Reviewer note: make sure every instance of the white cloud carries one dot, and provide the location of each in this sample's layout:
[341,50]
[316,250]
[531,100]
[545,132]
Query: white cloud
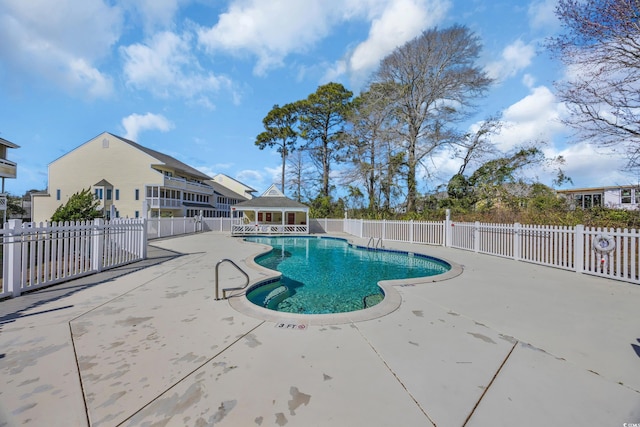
[136,123]
[207,170]
[165,66]
[272,30]
[399,22]
[252,178]
[542,15]
[393,23]
[269,30]
[590,166]
[223,165]
[60,42]
[514,58]
[155,14]
[274,174]
[535,117]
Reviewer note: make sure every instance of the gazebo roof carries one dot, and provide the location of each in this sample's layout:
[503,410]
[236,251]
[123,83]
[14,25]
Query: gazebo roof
[271,199]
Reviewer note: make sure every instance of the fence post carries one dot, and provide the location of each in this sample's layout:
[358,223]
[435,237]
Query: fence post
[144,238]
[12,257]
[97,244]
[361,227]
[446,233]
[516,241]
[384,229]
[476,237]
[578,255]
[411,231]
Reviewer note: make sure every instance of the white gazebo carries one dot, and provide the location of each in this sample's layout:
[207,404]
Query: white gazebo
[271,213]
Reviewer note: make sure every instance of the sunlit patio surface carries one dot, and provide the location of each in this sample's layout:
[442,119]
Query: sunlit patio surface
[504,343]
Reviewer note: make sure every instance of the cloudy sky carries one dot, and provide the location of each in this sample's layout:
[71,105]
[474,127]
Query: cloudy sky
[195,78]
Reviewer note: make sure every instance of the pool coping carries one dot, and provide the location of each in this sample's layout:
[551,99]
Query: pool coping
[391,302]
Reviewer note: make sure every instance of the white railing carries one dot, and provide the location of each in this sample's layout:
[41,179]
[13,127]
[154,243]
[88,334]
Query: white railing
[163,202]
[427,232]
[326,225]
[8,169]
[183,184]
[569,248]
[217,224]
[167,227]
[38,255]
[244,229]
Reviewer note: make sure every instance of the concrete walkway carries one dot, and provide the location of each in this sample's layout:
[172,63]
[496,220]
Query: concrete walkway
[505,343]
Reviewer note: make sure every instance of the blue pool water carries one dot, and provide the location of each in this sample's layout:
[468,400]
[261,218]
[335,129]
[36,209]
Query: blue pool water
[324,275]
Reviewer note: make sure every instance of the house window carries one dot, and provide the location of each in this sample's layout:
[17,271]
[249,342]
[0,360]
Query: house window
[137,214]
[578,199]
[137,194]
[58,194]
[117,194]
[99,193]
[625,196]
[259,216]
[109,193]
[597,200]
[587,201]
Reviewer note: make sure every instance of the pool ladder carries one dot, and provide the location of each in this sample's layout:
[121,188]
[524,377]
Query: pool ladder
[373,243]
[224,291]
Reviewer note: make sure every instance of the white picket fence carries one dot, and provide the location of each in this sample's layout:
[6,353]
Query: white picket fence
[569,248]
[167,227]
[38,255]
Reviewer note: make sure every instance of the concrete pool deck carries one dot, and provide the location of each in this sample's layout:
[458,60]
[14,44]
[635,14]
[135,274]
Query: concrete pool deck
[504,343]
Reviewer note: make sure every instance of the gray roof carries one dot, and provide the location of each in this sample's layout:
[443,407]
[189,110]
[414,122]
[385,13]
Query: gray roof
[198,205]
[224,191]
[103,183]
[271,202]
[166,159]
[8,143]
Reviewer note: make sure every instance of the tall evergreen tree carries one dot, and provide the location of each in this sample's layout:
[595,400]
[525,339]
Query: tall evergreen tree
[322,120]
[280,132]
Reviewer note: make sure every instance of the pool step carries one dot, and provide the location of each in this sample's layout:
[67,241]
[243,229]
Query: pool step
[276,293]
[371,300]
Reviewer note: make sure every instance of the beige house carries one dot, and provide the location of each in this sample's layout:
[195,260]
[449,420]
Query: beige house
[132,181]
[234,185]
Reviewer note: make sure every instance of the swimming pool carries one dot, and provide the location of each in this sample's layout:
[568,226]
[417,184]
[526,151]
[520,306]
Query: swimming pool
[329,275]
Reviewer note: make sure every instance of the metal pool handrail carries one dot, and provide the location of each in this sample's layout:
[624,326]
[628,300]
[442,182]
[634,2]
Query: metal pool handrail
[375,242]
[224,291]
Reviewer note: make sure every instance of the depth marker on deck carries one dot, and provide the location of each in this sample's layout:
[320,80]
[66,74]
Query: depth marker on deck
[292,326]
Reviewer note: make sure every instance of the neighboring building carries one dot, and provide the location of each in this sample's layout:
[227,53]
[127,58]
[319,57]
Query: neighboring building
[616,197]
[131,181]
[234,185]
[23,202]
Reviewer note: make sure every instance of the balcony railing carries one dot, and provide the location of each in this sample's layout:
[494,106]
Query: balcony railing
[8,169]
[183,184]
[161,202]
